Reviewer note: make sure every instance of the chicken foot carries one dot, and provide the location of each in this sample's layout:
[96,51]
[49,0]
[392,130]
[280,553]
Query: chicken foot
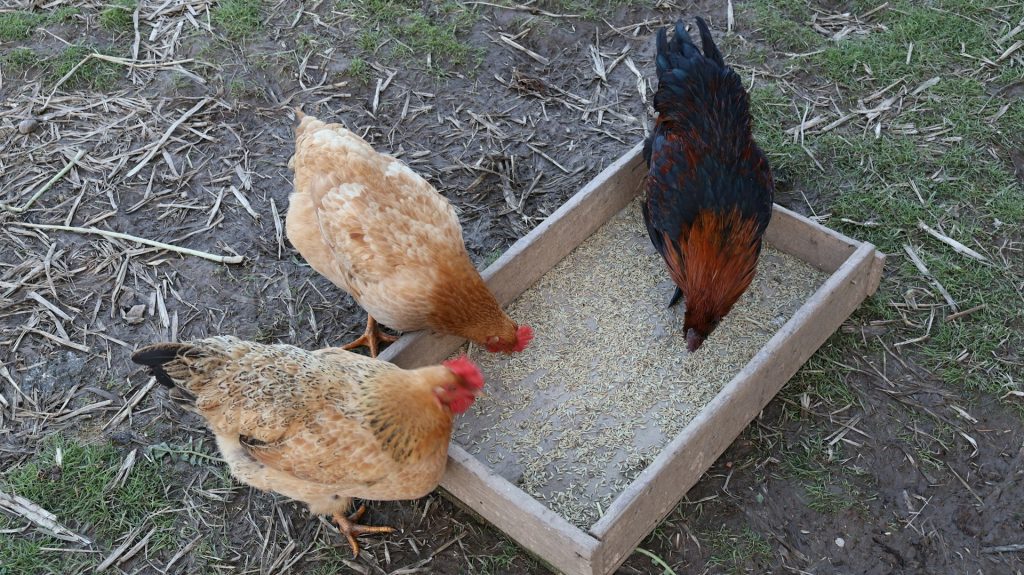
[371,338]
[350,529]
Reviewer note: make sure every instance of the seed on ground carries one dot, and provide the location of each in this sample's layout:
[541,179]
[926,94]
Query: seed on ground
[607,382]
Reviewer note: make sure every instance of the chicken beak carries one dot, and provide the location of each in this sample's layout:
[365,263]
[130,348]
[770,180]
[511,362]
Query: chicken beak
[479,394]
[693,340]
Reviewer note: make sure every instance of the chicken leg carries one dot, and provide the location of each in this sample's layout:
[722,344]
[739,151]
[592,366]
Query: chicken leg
[350,529]
[371,338]
[676,296]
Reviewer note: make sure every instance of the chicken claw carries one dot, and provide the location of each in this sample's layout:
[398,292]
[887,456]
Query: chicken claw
[371,338]
[350,529]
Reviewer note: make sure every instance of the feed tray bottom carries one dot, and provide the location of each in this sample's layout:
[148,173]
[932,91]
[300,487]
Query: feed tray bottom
[607,382]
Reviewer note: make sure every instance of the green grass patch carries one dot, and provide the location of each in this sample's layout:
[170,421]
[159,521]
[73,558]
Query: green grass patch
[368,40]
[20,555]
[63,15]
[501,560]
[492,257]
[737,551]
[936,30]
[97,75]
[410,33]
[877,188]
[819,380]
[238,19]
[80,492]
[784,25]
[358,70]
[118,16]
[812,463]
[932,441]
[831,495]
[19,25]
[306,42]
[18,60]
[772,112]
[242,89]
[979,190]
[238,88]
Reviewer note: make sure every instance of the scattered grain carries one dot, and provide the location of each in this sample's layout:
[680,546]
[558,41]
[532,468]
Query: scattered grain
[608,382]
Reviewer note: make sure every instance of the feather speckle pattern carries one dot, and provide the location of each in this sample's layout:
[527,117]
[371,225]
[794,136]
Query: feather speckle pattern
[382,233]
[320,427]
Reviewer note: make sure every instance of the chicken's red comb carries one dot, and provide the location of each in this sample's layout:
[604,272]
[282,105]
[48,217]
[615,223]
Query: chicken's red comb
[466,370]
[524,335]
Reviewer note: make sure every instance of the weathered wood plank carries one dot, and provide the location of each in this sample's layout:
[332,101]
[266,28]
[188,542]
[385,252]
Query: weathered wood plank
[808,240]
[420,348]
[524,519]
[659,488]
[527,260]
[875,276]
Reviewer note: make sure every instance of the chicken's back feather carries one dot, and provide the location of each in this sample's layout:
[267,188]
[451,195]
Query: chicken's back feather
[370,224]
[319,426]
[701,153]
[382,233]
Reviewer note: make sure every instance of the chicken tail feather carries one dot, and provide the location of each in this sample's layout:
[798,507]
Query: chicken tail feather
[157,358]
[710,49]
[684,73]
[681,52]
[675,55]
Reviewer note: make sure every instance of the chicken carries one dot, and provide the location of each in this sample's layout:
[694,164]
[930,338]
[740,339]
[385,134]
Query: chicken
[709,187]
[383,234]
[320,427]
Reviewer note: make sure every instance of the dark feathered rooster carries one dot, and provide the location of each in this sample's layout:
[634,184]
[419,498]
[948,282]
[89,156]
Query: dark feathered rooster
[709,187]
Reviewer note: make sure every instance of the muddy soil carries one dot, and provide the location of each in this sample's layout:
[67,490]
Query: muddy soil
[507,140]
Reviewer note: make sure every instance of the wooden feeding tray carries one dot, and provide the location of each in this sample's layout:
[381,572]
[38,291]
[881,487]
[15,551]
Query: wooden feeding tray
[590,437]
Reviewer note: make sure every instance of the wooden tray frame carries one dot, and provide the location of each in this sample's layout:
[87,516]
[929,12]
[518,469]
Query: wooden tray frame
[855,269]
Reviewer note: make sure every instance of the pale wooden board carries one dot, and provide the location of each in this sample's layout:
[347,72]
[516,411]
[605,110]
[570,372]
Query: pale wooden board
[810,241]
[420,348]
[657,490]
[521,517]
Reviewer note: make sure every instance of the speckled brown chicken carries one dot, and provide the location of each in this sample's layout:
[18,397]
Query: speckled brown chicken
[320,427]
[383,234]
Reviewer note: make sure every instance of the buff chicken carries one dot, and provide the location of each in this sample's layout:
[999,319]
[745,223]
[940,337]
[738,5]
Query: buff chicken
[709,187]
[383,234]
[321,427]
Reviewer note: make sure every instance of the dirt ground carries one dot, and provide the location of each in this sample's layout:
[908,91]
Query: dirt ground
[187,133]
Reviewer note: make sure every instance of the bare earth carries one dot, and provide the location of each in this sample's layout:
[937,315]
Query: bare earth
[189,146]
